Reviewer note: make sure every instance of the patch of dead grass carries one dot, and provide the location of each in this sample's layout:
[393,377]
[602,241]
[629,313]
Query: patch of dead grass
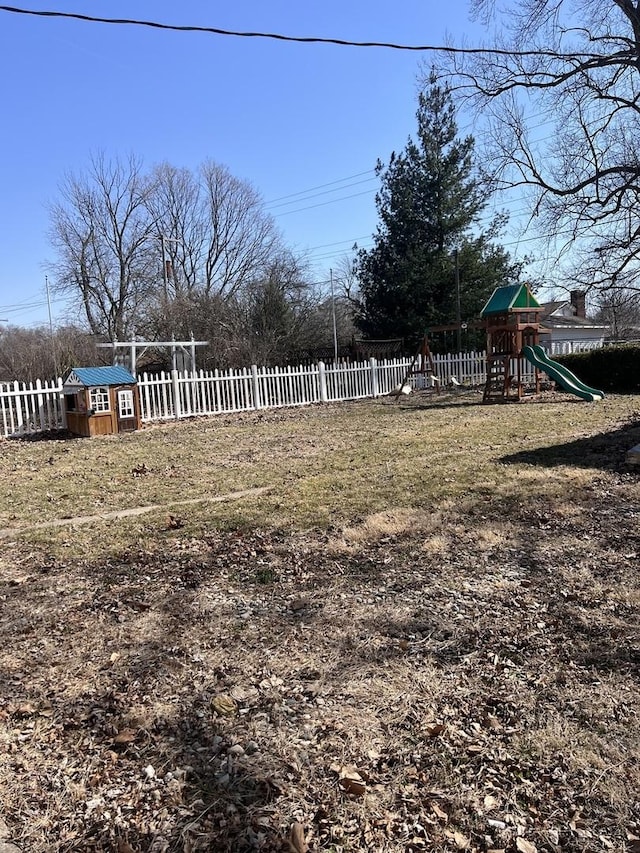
[459,631]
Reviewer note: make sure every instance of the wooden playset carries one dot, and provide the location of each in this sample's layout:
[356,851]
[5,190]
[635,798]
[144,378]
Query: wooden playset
[512,322]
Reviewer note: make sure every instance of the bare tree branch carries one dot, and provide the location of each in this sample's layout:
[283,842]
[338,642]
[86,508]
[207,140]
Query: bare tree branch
[578,66]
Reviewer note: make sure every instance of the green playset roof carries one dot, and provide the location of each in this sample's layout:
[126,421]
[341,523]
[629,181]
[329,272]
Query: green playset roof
[509,297]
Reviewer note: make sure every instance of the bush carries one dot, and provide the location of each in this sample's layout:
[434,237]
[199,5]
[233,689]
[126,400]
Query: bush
[615,369]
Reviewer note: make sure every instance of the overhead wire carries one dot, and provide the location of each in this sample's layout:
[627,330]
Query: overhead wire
[323,203]
[324,192]
[190,28]
[283,201]
[320,186]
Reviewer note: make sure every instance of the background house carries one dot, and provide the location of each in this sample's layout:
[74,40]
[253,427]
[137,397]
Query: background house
[569,325]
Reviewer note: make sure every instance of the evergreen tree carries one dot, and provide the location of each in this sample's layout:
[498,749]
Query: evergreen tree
[429,203]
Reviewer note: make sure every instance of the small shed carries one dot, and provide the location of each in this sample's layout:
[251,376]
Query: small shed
[101,400]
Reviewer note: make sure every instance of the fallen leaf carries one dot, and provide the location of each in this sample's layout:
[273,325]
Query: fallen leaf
[224,705]
[434,729]
[490,802]
[115,656]
[352,782]
[125,736]
[525,846]
[439,812]
[174,523]
[297,841]
[461,841]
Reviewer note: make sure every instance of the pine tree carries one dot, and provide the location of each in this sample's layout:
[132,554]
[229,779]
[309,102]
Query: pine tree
[429,203]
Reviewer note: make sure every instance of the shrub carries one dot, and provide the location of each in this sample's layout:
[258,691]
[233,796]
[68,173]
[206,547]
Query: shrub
[615,369]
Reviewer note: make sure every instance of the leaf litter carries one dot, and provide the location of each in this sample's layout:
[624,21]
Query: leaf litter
[269,689]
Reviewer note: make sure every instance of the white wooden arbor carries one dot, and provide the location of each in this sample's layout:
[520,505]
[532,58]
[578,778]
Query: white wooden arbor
[138,349]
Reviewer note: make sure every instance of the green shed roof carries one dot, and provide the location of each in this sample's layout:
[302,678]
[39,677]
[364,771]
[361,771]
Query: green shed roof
[504,299]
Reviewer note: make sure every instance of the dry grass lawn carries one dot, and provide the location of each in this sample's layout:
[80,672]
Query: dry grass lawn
[422,635]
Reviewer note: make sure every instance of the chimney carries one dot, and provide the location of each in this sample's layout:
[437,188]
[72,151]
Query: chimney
[578,302]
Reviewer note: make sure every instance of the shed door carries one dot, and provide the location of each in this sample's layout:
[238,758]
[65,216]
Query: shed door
[126,410]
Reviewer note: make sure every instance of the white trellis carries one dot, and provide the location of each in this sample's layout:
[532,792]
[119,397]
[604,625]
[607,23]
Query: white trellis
[138,348]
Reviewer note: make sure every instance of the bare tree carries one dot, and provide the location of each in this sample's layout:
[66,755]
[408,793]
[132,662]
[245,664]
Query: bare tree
[100,230]
[215,231]
[575,67]
[176,204]
[345,275]
[30,354]
[241,237]
[620,310]
[138,250]
[275,318]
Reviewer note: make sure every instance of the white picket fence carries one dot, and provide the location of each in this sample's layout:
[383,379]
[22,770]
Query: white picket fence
[31,407]
[38,406]
[184,395]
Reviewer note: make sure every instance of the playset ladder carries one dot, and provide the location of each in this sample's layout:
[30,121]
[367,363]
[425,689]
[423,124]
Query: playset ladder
[498,378]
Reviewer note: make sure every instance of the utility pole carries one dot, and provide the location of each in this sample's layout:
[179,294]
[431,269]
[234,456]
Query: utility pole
[164,267]
[53,345]
[333,314]
[458,313]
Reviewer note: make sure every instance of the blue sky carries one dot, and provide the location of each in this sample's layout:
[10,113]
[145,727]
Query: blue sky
[286,117]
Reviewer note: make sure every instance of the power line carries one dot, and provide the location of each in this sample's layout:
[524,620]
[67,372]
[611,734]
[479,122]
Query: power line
[339,243]
[324,192]
[320,186]
[322,203]
[25,307]
[494,51]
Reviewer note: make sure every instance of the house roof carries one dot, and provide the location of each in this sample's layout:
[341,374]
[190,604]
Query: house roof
[549,308]
[508,297]
[91,376]
[551,318]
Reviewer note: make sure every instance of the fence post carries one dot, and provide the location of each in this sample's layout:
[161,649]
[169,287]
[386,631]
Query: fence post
[373,364]
[41,416]
[175,385]
[256,387]
[18,405]
[322,375]
[61,407]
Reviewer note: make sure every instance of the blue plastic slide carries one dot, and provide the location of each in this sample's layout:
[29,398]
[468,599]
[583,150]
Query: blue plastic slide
[560,374]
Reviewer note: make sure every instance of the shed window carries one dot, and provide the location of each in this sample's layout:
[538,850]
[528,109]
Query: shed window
[99,398]
[125,404]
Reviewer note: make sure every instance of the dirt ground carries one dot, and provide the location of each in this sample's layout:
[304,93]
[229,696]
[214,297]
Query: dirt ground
[438,674]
